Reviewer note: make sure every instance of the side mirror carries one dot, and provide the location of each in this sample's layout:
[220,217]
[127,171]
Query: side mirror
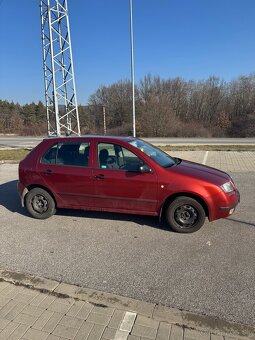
[144,169]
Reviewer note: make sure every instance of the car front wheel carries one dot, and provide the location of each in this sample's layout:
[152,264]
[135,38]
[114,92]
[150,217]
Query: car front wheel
[185,215]
[40,203]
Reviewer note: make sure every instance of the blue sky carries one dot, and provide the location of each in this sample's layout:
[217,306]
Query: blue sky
[192,39]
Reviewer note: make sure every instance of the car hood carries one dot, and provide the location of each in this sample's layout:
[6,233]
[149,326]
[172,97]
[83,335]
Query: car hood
[202,172]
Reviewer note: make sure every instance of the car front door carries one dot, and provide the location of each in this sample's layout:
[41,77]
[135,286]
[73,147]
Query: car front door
[66,171]
[119,184]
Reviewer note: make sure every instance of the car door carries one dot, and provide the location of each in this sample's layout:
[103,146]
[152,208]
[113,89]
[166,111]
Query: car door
[66,171]
[119,185]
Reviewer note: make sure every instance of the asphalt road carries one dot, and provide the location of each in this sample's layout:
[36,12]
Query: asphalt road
[13,142]
[211,271]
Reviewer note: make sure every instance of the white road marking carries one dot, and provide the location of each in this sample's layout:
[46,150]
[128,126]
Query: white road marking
[125,326]
[205,157]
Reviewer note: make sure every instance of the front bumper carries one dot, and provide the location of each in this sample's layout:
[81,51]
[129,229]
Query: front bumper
[224,205]
[233,206]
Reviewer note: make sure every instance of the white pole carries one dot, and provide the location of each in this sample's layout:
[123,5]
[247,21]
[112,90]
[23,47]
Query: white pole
[104,120]
[132,64]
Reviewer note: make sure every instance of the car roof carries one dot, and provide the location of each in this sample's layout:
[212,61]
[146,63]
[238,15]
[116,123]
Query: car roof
[94,137]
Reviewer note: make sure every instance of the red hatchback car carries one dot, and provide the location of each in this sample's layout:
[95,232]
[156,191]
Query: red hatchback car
[123,174]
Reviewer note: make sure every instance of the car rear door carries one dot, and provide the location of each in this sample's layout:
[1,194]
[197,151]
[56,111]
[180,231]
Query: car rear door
[66,171]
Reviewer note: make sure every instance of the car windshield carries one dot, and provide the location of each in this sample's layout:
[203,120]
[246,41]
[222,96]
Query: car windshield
[154,153]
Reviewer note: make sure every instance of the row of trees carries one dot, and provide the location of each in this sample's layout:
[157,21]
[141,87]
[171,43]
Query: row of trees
[164,107]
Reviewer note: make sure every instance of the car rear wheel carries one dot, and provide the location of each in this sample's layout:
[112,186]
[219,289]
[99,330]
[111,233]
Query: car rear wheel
[185,215]
[40,203]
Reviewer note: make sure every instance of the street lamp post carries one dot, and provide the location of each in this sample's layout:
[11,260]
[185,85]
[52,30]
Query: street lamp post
[132,64]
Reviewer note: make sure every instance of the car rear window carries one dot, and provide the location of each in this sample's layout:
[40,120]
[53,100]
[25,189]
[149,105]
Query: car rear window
[68,153]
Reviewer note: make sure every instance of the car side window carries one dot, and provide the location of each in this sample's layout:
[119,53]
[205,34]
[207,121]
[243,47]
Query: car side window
[50,156]
[116,157]
[68,153]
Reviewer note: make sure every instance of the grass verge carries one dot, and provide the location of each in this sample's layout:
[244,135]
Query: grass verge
[13,154]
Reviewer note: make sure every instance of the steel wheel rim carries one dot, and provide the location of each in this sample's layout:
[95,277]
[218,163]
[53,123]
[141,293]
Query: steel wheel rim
[186,216]
[39,203]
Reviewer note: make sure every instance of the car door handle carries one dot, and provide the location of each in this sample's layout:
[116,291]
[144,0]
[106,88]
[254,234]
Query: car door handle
[47,172]
[100,176]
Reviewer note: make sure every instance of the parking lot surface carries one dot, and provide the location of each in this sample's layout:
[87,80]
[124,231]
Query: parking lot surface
[210,272]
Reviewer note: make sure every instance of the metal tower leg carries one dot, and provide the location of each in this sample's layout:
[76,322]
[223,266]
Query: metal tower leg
[60,91]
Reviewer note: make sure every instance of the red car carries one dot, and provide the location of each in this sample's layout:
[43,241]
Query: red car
[126,175]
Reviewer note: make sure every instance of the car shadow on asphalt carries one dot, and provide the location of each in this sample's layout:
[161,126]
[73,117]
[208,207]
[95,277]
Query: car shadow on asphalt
[9,199]
[243,222]
[150,221]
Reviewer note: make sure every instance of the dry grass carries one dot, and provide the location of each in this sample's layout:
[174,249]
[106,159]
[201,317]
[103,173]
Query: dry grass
[13,154]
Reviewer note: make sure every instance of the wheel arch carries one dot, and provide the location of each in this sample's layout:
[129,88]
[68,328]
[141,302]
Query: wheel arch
[172,197]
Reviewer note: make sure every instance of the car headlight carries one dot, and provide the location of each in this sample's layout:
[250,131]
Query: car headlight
[227,187]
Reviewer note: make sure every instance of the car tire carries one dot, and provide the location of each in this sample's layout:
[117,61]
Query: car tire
[185,215]
[39,203]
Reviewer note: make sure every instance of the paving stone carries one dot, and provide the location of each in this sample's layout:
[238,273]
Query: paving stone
[38,299]
[52,322]
[47,301]
[128,321]
[143,331]
[25,319]
[217,337]
[53,337]
[103,310]
[7,290]
[191,334]
[43,319]
[121,335]
[19,332]
[4,323]
[109,333]
[176,333]
[15,311]
[21,297]
[3,285]
[99,319]
[71,322]
[145,321]
[7,308]
[65,331]
[76,307]
[116,319]
[163,331]
[35,334]
[3,301]
[96,332]
[59,307]
[33,310]
[133,337]
[84,311]
[8,330]
[84,331]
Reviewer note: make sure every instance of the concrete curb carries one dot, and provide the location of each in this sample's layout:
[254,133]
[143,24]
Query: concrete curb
[157,312]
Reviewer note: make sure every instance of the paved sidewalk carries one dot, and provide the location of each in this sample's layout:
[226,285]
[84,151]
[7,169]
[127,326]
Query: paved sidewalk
[33,308]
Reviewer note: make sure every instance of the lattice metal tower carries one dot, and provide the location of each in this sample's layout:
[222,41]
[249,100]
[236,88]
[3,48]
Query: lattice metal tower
[60,92]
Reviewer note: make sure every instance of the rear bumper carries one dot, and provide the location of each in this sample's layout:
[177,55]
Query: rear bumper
[22,191]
